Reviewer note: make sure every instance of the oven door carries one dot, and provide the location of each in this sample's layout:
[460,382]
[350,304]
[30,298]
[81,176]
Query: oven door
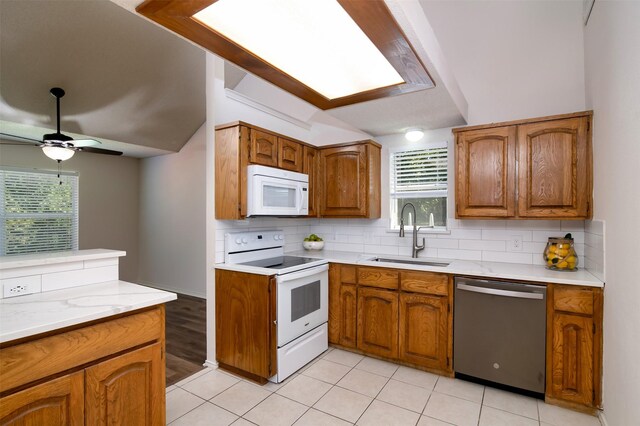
[302,302]
[272,196]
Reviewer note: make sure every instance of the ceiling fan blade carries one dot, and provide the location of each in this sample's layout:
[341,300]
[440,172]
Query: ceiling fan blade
[17,138]
[81,143]
[99,151]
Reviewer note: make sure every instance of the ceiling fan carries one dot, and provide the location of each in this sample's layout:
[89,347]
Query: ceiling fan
[59,146]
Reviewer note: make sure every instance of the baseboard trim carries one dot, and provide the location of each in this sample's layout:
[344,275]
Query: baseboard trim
[602,418]
[212,364]
[172,289]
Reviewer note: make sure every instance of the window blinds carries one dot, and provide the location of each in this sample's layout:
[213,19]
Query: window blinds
[38,211]
[420,173]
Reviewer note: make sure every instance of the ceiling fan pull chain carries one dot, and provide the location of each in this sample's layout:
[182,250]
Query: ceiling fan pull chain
[59,161]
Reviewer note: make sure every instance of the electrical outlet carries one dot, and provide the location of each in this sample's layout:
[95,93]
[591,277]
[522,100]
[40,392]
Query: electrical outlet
[516,243]
[22,285]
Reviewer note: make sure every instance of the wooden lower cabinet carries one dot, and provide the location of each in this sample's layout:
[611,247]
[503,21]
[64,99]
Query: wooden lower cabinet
[348,315]
[424,330]
[126,390]
[110,372]
[378,322]
[246,340]
[55,402]
[574,346]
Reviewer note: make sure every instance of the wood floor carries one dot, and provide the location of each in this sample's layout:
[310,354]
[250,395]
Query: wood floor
[186,339]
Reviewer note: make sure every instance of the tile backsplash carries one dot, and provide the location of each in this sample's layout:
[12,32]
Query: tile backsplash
[594,247]
[480,240]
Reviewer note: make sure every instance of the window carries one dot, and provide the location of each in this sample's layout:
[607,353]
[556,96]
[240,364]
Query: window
[38,211]
[419,176]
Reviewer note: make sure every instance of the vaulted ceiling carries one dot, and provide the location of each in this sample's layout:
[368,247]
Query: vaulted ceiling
[126,79]
[141,89]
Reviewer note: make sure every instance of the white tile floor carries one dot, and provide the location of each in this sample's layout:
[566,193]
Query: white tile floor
[342,388]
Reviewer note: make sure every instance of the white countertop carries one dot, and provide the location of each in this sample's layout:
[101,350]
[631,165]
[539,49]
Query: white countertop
[37,259]
[25,316]
[513,271]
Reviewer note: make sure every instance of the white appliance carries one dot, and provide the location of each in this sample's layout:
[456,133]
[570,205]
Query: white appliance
[276,192]
[302,295]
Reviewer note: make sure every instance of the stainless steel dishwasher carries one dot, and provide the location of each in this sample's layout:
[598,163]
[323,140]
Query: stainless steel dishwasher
[499,333]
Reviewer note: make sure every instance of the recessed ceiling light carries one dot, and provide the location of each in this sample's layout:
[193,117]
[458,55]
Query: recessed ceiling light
[317,43]
[414,135]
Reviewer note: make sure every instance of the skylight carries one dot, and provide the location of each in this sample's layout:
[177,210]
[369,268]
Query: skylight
[314,41]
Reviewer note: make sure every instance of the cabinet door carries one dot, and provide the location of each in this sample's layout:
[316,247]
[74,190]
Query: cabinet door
[56,402]
[245,323]
[289,155]
[128,389]
[572,363]
[485,172]
[378,322]
[424,330]
[554,170]
[264,148]
[344,181]
[310,167]
[348,315]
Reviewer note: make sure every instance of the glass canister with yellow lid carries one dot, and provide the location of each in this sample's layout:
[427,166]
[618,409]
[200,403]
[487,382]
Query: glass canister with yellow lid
[560,254]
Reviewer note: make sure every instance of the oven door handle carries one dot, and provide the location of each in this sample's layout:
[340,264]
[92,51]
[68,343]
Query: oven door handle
[302,274]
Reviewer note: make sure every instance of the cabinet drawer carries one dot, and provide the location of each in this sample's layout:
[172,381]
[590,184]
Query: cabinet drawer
[576,300]
[348,274]
[425,282]
[34,360]
[378,277]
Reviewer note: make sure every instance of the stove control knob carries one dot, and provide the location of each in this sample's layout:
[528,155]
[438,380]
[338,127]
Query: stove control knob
[238,240]
[281,237]
[275,237]
[245,241]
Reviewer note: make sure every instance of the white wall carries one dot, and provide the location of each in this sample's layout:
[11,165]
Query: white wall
[512,59]
[108,196]
[612,64]
[172,219]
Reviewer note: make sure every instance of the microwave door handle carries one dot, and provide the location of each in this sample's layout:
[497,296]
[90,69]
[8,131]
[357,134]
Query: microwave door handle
[300,198]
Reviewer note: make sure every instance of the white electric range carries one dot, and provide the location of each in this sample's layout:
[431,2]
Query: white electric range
[302,295]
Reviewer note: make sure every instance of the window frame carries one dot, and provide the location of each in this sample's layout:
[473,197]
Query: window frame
[394,227]
[74,215]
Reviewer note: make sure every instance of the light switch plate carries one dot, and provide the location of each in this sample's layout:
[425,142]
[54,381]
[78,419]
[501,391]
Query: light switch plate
[12,287]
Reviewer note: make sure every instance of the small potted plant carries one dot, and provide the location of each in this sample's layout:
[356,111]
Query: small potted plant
[313,242]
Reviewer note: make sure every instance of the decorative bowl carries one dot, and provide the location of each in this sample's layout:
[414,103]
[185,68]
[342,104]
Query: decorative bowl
[313,245]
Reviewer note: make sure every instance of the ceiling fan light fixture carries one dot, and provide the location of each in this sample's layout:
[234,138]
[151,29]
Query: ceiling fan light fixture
[414,135]
[58,153]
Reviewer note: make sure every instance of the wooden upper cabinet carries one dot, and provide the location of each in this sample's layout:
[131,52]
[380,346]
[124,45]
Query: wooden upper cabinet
[290,155]
[350,180]
[535,168]
[485,175]
[378,322]
[127,390]
[554,178]
[57,402]
[263,148]
[310,166]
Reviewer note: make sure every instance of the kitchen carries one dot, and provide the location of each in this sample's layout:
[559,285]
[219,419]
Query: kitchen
[491,98]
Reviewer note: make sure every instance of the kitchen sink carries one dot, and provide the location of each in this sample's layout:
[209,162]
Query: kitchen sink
[409,261]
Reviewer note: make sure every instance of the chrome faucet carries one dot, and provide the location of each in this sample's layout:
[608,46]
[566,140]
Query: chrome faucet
[415,247]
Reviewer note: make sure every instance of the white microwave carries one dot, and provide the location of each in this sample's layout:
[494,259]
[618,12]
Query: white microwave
[276,192]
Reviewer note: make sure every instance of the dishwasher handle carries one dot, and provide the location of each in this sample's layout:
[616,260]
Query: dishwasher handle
[498,292]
